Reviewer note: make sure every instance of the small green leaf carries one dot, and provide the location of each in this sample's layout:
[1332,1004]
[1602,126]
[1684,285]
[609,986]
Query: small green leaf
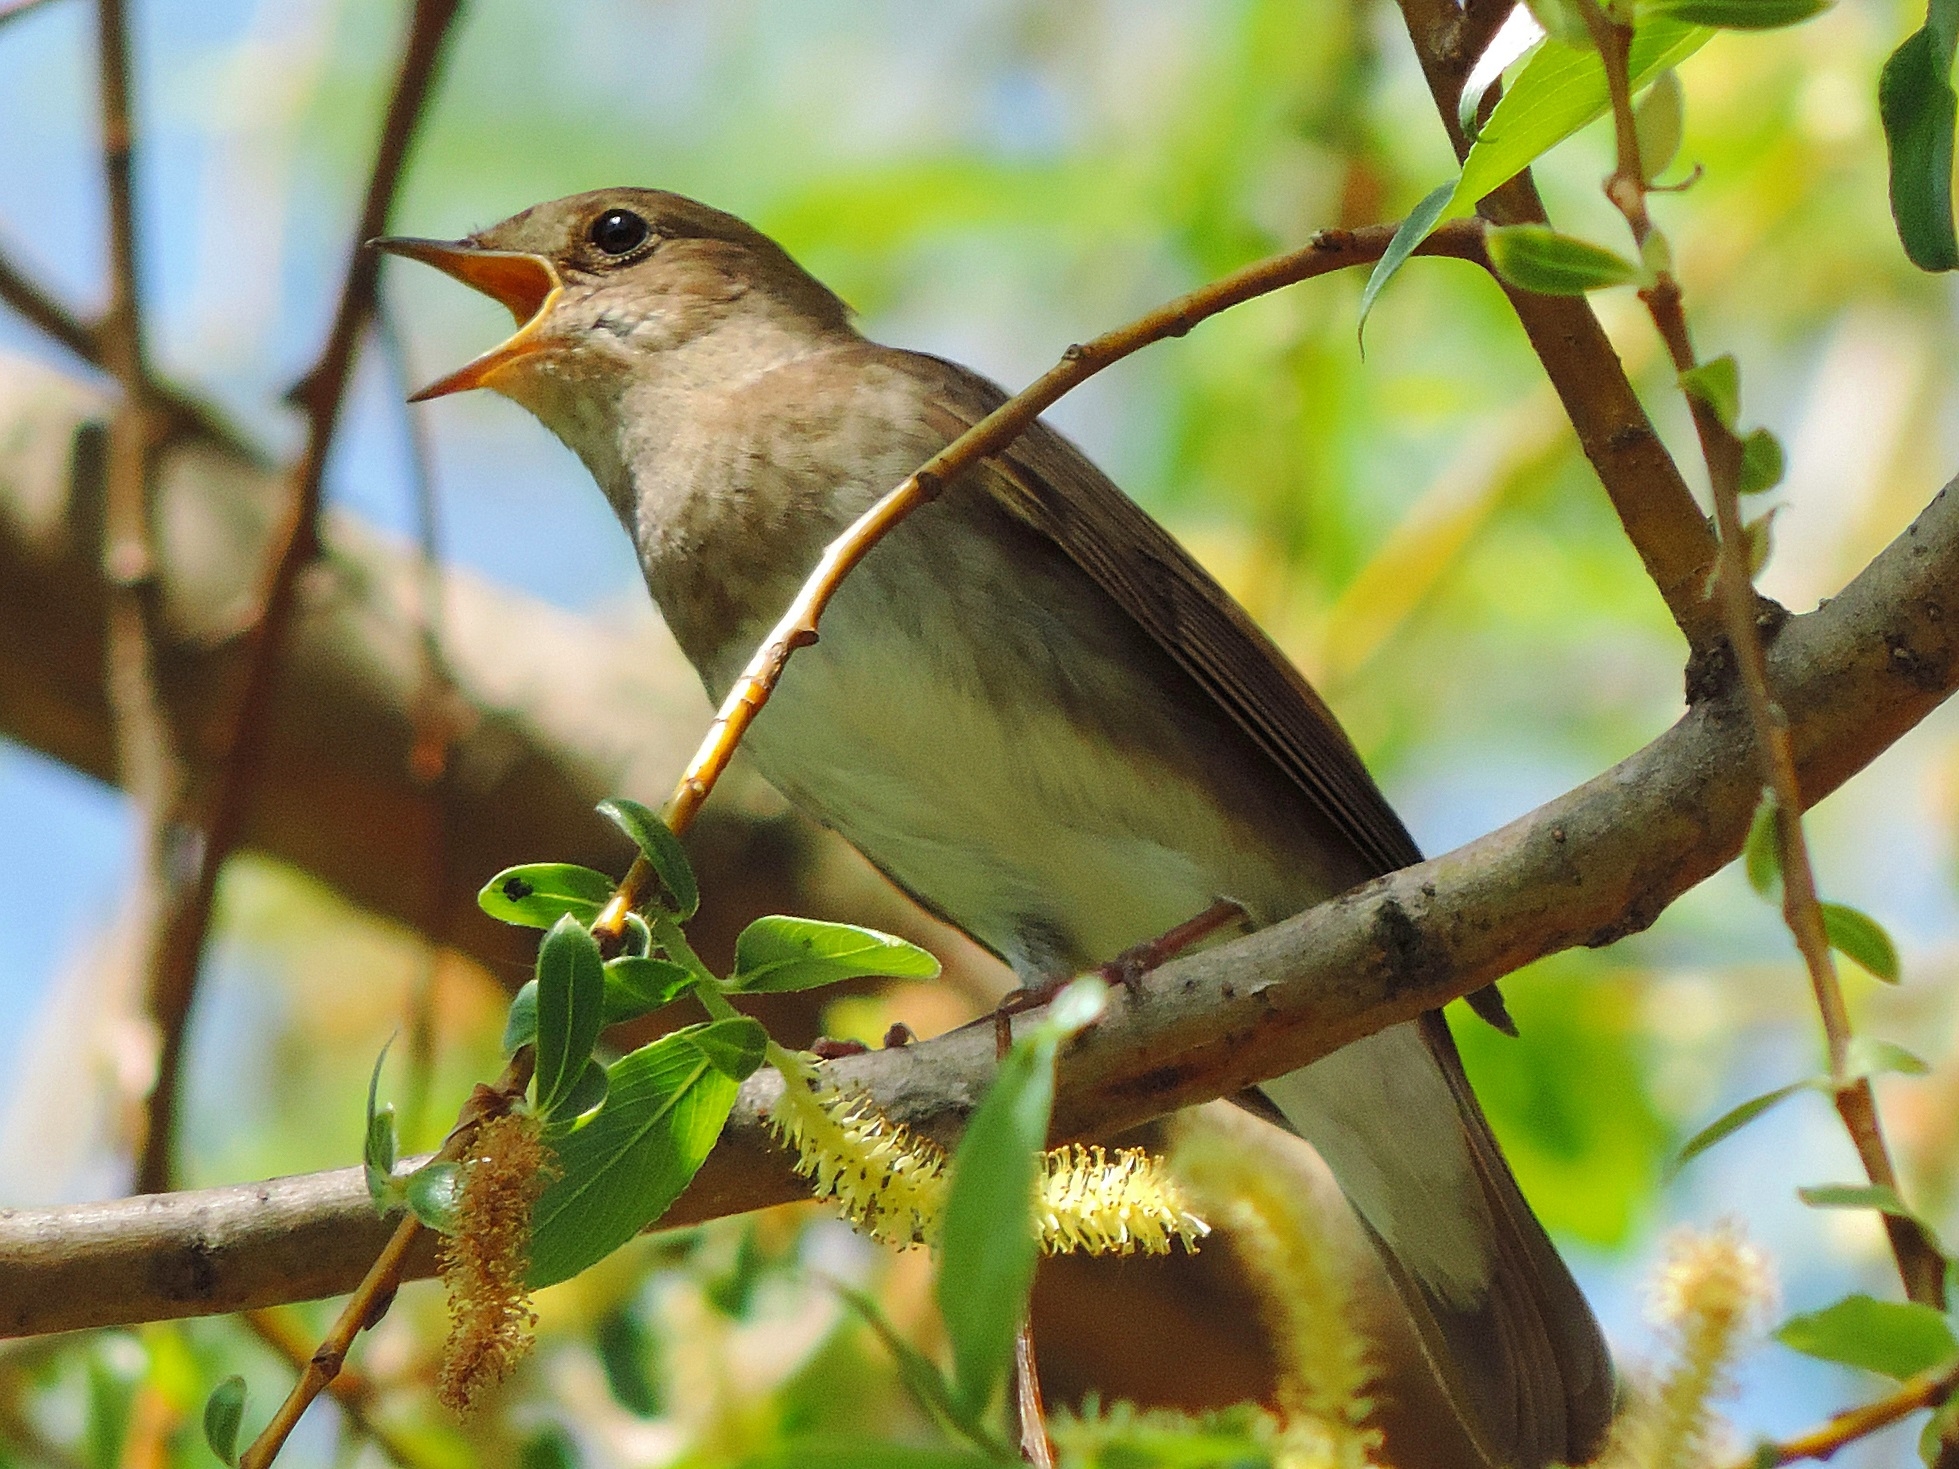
[1561,19]
[1658,122]
[1862,939]
[550,1447]
[434,1193]
[224,1412]
[777,953]
[1896,1338]
[921,1376]
[1762,463]
[1535,257]
[520,1025]
[988,1244]
[378,1152]
[1916,102]
[1740,15]
[1931,1438]
[1717,383]
[734,1046]
[1731,1122]
[1759,541]
[1761,854]
[636,986]
[538,894]
[663,852]
[629,1351]
[570,1010]
[1868,1056]
[586,1093]
[1408,234]
[628,1161]
[1876,1196]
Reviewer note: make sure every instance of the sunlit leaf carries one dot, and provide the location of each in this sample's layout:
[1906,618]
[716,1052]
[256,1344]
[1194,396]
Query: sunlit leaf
[1739,15]
[663,853]
[628,1161]
[1916,102]
[1897,1338]
[570,1010]
[1762,463]
[378,1151]
[538,894]
[734,1046]
[636,986]
[1535,257]
[1659,121]
[1731,1122]
[1862,939]
[1761,854]
[1408,234]
[434,1193]
[1866,1055]
[1717,383]
[224,1411]
[779,953]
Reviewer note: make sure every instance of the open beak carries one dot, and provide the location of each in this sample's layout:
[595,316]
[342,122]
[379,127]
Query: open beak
[527,284]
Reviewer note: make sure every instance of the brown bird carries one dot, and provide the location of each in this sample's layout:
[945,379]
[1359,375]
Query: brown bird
[1031,708]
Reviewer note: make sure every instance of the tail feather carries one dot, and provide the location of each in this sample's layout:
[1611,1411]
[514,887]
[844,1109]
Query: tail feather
[1499,1317]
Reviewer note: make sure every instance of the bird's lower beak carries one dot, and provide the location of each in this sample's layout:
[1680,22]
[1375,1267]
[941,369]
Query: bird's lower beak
[526,284]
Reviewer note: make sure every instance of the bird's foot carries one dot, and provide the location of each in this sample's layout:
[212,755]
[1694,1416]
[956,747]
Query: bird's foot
[1128,968]
[825,1048]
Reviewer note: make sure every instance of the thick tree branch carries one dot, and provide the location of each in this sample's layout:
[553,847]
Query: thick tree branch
[1596,864]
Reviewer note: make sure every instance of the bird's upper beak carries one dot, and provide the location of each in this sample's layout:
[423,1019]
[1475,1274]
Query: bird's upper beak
[527,284]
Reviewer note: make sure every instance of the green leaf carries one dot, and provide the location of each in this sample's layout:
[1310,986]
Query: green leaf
[570,1010]
[1535,257]
[1659,120]
[618,1172]
[734,1046]
[629,1351]
[224,1411]
[663,852]
[921,1376]
[1761,854]
[1739,15]
[538,894]
[636,986]
[1559,91]
[777,953]
[1855,1196]
[1931,1438]
[1897,1338]
[520,1025]
[1408,234]
[550,1447]
[378,1151]
[1717,383]
[1762,463]
[1868,1056]
[434,1194]
[585,1094]
[1916,102]
[732,1292]
[988,1243]
[1862,939]
[1758,540]
[1729,1123]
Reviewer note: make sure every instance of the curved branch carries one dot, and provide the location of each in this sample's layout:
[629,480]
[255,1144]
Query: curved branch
[1586,869]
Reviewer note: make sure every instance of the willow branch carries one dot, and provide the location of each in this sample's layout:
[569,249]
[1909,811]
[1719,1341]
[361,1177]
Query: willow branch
[350,1394]
[1327,251]
[1594,865]
[1927,1390]
[174,978]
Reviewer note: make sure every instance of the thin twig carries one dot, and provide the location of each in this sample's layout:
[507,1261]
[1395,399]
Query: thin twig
[15,9]
[322,392]
[1927,1390]
[48,315]
[1920,1265]
[350,1393]
[1327,251]
[376,1292]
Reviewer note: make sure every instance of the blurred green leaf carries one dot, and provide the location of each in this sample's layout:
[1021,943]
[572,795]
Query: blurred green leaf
[1897,1338]
[629,1160]
[378,1152]
[1717,383]
[1408,234]
[988,1244]
[858,1453]
[1761,854]
[1758,539]
[1535,257]
[1916,102]
[1876,1196]
[224,1412]
[570,1011]
[1739,15]
[433,1192]
[1931,1438]
[112,1379]
[663,852]
[1762,463]
[1866,1055]
[1659,120]
[922,1378]
[732,1291]
[777,953]
[1862,939]
[550,1447]
[630,1351]
[1559,91]
[538,894]
[1729,1123]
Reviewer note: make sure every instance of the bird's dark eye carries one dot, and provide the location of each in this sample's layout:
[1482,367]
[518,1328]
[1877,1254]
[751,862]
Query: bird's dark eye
[619,231]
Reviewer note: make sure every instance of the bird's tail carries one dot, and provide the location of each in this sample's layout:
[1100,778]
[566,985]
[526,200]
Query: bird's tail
[1498,1315]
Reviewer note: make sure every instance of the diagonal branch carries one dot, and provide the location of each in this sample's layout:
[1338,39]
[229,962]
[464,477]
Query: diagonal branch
[1586,869]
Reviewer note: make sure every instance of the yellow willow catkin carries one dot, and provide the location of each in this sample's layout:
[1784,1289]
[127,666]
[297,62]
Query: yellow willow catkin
[1236,1167]
[1711,1292]
[892,1183]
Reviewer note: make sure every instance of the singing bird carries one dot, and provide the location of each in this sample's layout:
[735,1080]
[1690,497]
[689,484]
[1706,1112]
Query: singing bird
[1030,707]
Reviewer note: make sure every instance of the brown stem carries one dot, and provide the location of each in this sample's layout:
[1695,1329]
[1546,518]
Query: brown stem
[1327,251]
[1030,1412]
[350,1393]
[1928,1390]
[174,976]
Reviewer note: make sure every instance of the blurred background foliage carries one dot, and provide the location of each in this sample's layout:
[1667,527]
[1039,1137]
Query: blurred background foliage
[991,180]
